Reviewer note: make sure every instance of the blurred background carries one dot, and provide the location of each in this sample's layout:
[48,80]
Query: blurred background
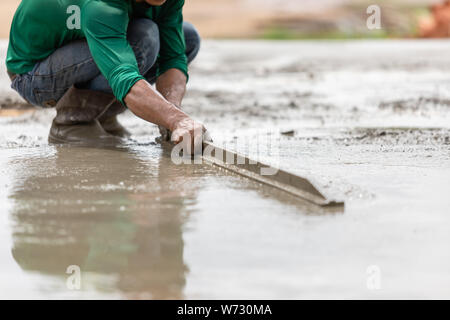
[366,121]
[302,19]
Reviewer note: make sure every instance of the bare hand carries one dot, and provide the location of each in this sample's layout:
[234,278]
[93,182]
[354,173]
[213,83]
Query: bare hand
[187,128]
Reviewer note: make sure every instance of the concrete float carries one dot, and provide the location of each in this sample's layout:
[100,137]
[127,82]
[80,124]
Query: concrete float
[269,175]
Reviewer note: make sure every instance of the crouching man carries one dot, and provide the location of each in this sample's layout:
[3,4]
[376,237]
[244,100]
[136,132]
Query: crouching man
[92,59]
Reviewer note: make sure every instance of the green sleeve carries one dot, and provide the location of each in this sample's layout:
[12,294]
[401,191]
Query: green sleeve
[106,34]
[173,47]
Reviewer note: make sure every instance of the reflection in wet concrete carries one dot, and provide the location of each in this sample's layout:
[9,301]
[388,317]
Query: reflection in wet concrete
[120,215]
[69,209]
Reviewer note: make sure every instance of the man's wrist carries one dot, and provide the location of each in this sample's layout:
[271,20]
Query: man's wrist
[172,86]
[176,117]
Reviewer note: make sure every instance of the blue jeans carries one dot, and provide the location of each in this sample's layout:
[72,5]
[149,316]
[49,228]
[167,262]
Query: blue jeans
[73,64]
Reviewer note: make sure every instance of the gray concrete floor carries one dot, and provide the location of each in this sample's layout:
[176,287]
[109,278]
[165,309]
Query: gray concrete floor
[371,126]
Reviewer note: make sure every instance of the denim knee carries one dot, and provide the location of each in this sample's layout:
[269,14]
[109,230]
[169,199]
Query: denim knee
[143,36]
[192,39]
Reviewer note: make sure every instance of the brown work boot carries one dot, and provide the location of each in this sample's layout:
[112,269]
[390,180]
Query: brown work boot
[90,133]
[109,121]
[76,119]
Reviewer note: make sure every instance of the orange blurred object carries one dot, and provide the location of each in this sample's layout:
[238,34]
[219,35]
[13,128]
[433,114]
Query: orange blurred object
[438,24]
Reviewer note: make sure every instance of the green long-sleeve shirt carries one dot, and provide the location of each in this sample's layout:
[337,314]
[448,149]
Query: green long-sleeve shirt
[41,26]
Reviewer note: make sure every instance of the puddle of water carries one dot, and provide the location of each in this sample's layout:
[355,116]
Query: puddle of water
[121,221]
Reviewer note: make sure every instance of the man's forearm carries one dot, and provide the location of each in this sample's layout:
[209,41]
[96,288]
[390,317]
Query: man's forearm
[172,85]
[150,105]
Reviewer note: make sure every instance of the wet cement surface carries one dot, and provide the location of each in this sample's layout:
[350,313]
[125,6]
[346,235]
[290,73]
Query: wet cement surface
[369,123]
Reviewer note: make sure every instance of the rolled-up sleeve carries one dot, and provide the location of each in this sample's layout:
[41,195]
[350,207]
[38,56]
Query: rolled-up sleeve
[105,27]
[173,47]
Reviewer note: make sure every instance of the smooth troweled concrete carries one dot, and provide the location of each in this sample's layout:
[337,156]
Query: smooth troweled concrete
[368,122]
